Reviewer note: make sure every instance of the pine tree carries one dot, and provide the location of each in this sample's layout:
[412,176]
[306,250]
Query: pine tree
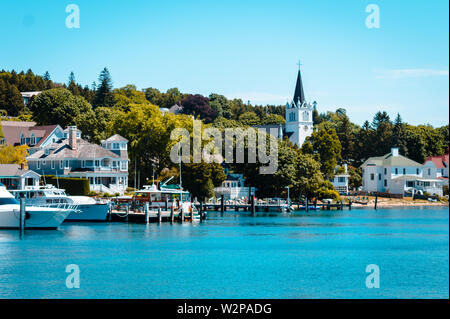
[103,94]
[398,135]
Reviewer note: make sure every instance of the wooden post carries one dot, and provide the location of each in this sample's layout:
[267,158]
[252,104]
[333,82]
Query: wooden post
[315,202]
[166,204]
[222,204]
[349,204]
[146,209]
[128,211]
[307,204]
[376,200]
[329,206]
[22,216]
[192,214]
[159,215]
[253,205]
[342,204]
[172,215]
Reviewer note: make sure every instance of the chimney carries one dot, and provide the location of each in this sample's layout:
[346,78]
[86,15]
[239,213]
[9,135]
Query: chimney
[73,137]
[346,168]
[22,166]
[394,151]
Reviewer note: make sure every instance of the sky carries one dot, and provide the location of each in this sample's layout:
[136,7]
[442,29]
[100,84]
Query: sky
[246,49]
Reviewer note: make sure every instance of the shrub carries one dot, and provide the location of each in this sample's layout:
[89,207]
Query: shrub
[73,186]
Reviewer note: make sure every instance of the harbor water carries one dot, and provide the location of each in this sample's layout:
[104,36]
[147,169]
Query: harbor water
[321,254]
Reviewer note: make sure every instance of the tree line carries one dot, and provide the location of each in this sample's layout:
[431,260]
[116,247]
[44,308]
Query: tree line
[102,110]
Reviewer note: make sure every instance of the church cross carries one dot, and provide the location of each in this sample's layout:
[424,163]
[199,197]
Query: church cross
[299,64]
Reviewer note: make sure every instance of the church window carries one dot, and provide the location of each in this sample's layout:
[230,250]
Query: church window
[305,116]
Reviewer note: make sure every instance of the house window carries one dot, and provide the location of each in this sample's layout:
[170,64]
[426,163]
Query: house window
[404,171]
[396,171]
[341,179]
[385,171]
[379,177]
[442,171]
[97,163]
[305,116]
[409,184]
[91,180]
[66,164]
[123,165]
[123,146]
[61,164]
[115,146]
[429,172]
[32,139]
[385,182]
[22,139]
[372,177]
[44,163]
[417,171]
[38,164]
[53,164]
[83,164]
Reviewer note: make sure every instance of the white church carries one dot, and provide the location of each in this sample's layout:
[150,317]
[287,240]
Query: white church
[299,118]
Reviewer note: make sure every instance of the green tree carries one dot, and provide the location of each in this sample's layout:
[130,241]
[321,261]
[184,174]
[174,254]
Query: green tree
[58,106]
[249,119]
[309,178]
[327,149]
[103,95]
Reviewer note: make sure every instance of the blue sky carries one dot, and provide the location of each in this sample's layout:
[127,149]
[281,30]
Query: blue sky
[246,49]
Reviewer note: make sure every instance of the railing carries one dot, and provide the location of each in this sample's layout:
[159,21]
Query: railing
[63,206]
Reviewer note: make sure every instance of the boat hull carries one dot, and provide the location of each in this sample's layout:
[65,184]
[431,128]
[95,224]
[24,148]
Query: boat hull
[88,212]
[37,217]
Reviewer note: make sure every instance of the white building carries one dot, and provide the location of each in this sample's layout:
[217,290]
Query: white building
[340,180]
[14,176]
[299,118]
[397,174]
[233,188]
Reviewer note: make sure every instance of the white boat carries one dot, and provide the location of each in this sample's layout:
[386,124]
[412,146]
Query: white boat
[36,217]
[166,196]
[88,209]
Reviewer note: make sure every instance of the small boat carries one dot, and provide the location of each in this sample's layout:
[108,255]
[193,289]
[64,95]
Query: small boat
[88,209]
[36,217]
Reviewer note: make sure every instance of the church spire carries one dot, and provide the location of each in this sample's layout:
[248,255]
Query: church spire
[299,95]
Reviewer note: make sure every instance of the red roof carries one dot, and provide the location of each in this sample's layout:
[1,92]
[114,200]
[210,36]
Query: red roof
[438,161]
[13,130]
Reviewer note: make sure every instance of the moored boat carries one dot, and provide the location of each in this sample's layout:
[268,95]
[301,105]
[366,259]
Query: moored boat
[36,217]
[88,209]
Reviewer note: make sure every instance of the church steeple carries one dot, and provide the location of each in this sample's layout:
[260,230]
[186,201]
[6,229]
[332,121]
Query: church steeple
[299,95]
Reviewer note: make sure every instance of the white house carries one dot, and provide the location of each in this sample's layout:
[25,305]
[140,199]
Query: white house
[340,180]
[396,174]
[105,166]
[15,176]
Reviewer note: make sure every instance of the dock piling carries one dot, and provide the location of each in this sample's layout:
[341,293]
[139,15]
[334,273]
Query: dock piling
[172,215]
[307,204]
[159,215]
[376,201]
[222,204]
[22,216]
[146,209]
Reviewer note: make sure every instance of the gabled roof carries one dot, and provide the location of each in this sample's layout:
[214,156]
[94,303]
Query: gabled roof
[116,138]
[389,160]
[84,150]
[13,170]
[13,130]
[438,161]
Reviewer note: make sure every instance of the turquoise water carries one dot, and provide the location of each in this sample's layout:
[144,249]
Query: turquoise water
[323,255]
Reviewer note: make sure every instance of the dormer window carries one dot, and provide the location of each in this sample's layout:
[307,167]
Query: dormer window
[22,139]
[32,139]
[115,146]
